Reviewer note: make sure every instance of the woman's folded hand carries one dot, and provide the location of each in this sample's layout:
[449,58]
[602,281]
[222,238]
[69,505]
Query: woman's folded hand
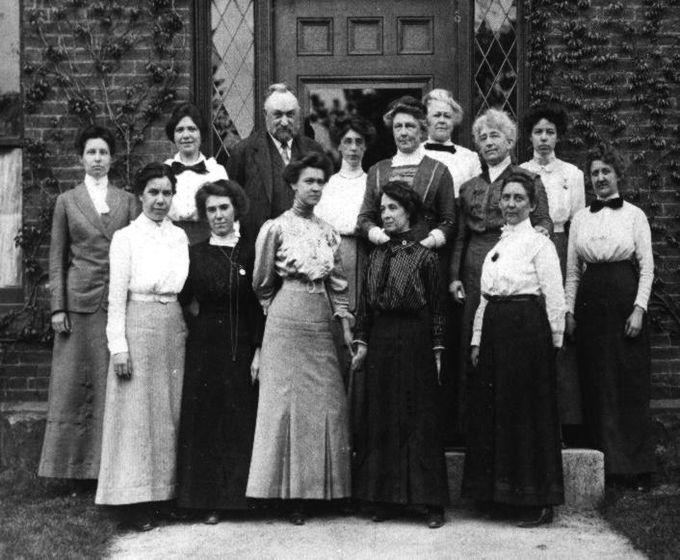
[122,365]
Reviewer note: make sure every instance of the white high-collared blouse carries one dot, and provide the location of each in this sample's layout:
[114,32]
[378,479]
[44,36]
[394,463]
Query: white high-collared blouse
[564,186]
[146,258]
[184,201]
[608,236]
[523,262]
[463,165]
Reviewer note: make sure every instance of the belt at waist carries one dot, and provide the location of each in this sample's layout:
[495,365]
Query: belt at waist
[309,286]
[509,299]
[159,298]
[611,264]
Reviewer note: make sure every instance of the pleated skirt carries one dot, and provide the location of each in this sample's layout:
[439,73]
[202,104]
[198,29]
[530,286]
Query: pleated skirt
[73,433]
[615,370]
[513,453]
[141,419]
[400,452]
[301,447]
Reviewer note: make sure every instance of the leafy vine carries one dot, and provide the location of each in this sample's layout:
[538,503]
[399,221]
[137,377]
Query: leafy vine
[614,66]
[116,63]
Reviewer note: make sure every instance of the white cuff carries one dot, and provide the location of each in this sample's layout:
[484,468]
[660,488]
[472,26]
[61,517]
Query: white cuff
[377,236]
[439,238]
[118,346]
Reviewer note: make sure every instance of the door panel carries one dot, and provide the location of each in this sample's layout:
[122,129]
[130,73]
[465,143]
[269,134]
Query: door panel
[344,56]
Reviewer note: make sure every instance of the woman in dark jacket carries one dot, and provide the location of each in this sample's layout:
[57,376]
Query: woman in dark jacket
[219,403]
[85,219]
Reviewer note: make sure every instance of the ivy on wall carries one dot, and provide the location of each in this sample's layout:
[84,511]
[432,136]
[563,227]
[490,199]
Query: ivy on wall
[113,63]
[614,66]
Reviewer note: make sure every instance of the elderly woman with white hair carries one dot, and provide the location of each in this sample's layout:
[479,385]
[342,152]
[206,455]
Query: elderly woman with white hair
[443,115]
[480,223]
[428,177]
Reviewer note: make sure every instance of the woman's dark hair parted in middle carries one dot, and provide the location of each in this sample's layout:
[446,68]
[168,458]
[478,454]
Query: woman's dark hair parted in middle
[181,111]
[153,170]
[315,160]
[406,196]
[551,112]
[357,124]
[223,187]
[95,131]
[524,179]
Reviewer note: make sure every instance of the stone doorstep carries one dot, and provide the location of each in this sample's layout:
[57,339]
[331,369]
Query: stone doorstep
[583,477]
[22,426]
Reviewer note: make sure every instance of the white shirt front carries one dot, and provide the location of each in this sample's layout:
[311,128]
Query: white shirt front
[564,186]
[96,188]
[496,170]
[413,158]
[145,258]
[184,202]
[523,262]
[463,165]
[609,236]
[341,202]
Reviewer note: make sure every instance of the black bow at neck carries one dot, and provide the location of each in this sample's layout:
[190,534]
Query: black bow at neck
[178,167]
[435,147]
[613,203]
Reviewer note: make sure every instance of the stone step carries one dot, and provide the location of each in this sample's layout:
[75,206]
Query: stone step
[22,426]
[583,477]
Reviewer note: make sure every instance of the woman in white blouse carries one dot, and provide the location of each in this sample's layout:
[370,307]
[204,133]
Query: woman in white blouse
[610,269]
[443,115]
[546,124]
[513,455]
[343,195]
[146,336]
[185,129]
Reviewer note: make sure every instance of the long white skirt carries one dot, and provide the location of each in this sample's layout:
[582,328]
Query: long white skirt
[141,418]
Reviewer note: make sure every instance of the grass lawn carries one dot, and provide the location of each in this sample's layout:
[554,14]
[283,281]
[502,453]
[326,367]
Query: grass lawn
[39,518]
[650,520]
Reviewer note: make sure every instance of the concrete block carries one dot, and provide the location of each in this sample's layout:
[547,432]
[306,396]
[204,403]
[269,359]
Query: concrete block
[583,477]
[22,427]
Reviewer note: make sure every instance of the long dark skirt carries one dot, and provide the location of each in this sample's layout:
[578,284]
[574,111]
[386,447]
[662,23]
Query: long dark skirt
[513,453]
[614,369]
[400,454]
[475,253]
[219,407]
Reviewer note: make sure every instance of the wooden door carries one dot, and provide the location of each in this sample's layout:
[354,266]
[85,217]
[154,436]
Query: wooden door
[357,56]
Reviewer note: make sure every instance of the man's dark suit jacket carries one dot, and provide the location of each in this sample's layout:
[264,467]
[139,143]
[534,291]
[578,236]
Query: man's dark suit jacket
[256,165]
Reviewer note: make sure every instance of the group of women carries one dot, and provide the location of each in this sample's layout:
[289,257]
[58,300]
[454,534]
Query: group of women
[307,364]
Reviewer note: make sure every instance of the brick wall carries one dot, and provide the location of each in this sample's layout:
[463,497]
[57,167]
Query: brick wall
[630,34]
[24,367]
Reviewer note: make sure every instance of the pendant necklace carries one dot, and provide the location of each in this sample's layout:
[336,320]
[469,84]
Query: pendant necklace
[234,267]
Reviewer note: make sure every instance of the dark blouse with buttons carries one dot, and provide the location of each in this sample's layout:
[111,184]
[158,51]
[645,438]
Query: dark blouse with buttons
[401,276]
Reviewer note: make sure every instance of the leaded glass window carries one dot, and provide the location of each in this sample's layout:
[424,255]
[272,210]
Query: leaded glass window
[233,72]
[495,55]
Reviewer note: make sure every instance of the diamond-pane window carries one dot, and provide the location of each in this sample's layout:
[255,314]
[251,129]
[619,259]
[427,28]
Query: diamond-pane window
[233,69]
[495,55]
